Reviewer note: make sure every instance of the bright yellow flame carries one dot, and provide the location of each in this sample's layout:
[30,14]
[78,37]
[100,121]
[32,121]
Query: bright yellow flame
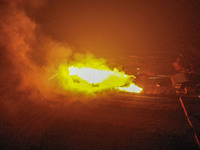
[90,75]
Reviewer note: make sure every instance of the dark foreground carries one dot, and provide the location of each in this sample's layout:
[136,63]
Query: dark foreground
[118,122]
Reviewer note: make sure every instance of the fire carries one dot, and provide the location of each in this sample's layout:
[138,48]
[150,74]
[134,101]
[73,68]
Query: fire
[90,75]
[131,88]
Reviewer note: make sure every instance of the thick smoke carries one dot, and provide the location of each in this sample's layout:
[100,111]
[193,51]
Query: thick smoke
[33,57]
[29,101]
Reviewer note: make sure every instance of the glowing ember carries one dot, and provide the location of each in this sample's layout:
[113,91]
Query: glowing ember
[90,75]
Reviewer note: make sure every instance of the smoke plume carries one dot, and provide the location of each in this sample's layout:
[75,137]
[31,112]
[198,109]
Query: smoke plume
[29,102]
[33,57]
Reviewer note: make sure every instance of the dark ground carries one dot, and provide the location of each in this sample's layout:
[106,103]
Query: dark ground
[118,121]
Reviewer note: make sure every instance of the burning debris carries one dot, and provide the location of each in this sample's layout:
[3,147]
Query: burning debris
[90,75]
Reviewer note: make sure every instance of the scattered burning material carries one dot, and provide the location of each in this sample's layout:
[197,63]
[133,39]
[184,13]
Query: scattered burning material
[90,75]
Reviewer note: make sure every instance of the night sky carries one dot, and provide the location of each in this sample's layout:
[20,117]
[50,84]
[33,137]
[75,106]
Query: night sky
[120,26]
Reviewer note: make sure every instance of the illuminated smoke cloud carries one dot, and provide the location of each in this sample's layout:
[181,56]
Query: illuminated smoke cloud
[34,57]
[27,60]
